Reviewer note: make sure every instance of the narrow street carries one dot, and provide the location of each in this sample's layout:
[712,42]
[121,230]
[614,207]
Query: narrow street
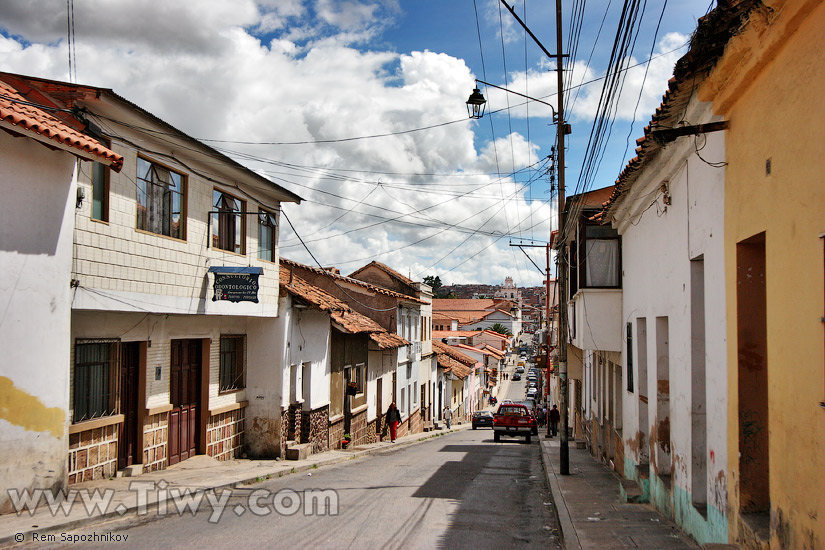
[457,491]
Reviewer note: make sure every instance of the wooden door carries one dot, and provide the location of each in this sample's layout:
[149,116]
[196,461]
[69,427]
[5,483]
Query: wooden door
[184,387]
[129,431]
[379,404]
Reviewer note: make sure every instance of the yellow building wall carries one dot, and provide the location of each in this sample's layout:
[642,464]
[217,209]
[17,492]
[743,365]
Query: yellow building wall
[770,85]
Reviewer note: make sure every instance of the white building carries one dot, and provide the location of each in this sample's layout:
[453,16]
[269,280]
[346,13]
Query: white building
[39,159]
[669,209]
[174,292]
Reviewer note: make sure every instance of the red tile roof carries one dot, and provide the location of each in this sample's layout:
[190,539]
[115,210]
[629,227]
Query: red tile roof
[706,47]
[339,277]
[388,270]
[28,119]
[453,361]
[342,316]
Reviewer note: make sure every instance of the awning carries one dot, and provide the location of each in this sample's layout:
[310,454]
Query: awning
[234,269]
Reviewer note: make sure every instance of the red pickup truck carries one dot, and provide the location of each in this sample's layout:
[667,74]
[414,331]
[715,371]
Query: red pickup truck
[513,420]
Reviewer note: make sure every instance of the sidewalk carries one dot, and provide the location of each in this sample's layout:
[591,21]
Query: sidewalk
[591,515]
[200,473]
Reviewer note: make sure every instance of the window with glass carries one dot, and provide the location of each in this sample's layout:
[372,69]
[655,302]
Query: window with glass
[95,381]
[100,192]
[267,224]
[601,257]
[227,222]
[160,199]
[231,372]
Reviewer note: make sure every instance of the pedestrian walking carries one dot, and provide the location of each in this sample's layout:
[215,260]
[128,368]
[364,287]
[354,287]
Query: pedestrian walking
[392,419]
[554,416]
[541,416]
[448,416]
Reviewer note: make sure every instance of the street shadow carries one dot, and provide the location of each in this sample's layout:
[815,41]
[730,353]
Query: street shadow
[501,495]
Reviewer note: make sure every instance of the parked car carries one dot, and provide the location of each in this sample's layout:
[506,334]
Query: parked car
[520,369]
[513,421]
[532,392]
[482,419]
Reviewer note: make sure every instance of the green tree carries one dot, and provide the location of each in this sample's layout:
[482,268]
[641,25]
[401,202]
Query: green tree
[434,282]
[501,329]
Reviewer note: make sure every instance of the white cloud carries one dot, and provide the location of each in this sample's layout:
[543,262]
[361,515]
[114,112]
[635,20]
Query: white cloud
[198,66]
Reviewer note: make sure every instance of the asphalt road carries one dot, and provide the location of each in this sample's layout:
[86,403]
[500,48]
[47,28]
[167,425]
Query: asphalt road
[461,490]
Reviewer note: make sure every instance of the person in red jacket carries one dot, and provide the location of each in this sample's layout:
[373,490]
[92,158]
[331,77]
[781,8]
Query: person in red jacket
[392,419]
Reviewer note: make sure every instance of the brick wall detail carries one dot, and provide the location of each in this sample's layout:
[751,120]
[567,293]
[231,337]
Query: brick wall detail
[93,454]
[155,442]
[225,435]
[315,429]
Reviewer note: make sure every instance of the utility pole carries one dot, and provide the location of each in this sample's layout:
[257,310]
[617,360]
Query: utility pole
[561,247]
[561,251]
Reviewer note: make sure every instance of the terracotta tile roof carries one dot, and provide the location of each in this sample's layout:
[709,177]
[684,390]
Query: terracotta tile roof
[493,351]
[66,95]
[39,124]
[463,304]
[453,361]
[350,280]
[706,47]
[440,347]
[343,316]
[388,270]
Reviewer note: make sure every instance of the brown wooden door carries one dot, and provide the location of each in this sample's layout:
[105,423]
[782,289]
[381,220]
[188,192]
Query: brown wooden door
[379,425]
[129,431]
[184,387]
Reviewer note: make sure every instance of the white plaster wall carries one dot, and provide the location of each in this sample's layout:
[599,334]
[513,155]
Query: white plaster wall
[309,342]
[37,213]
[657,248]
[121,268]
[598,319]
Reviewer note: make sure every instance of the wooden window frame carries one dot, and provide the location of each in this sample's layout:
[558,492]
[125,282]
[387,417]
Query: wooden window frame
[231,364]
[222,218]
[181,194]
[82,386]
[267,221]
[99,181]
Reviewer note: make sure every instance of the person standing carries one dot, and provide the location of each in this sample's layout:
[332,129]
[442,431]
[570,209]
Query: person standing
[393,418]
[448,416]
[554,416]
[541,415]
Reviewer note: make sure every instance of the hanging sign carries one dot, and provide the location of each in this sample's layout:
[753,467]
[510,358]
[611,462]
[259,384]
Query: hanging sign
[236,284]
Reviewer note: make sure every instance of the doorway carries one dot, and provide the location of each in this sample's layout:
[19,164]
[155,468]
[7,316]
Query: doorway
[129,431]
[184,389]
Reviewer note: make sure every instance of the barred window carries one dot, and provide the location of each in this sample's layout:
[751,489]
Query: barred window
[95,379]
[231,368]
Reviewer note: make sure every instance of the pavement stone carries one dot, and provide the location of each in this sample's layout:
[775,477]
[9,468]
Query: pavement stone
[198,473]
[591,514]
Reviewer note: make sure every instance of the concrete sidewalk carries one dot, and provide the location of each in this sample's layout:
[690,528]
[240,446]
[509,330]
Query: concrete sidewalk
[591,514]
[201,473]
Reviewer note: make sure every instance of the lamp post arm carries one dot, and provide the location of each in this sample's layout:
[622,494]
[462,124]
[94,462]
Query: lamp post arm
[520,95]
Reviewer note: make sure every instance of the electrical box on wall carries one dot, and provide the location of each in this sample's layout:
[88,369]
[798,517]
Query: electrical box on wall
[157,373]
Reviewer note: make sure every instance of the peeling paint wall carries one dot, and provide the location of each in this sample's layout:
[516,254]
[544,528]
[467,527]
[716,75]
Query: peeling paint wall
[658,245]
[35,297]
[769,85]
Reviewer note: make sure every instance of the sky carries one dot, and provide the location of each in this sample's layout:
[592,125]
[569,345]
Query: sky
[358,106]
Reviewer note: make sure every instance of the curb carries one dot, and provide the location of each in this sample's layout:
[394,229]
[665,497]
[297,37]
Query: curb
[8,541]
[569,537]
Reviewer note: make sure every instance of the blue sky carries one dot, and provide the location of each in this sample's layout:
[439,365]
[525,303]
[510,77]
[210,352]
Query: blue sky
[299,78]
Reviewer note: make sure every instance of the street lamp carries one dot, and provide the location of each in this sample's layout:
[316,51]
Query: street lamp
[475,104]
[477,101]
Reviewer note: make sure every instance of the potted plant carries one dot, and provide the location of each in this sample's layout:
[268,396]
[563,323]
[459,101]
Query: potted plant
[345,441]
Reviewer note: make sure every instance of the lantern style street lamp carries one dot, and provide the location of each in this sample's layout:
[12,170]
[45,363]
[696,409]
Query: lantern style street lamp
[476,104]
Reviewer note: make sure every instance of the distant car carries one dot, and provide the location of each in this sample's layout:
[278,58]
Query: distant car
[516,376]
[482,419]
[532,392]
[520,369]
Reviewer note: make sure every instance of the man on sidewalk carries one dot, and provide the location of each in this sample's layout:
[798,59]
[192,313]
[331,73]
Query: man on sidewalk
[554,416]
[448,416]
